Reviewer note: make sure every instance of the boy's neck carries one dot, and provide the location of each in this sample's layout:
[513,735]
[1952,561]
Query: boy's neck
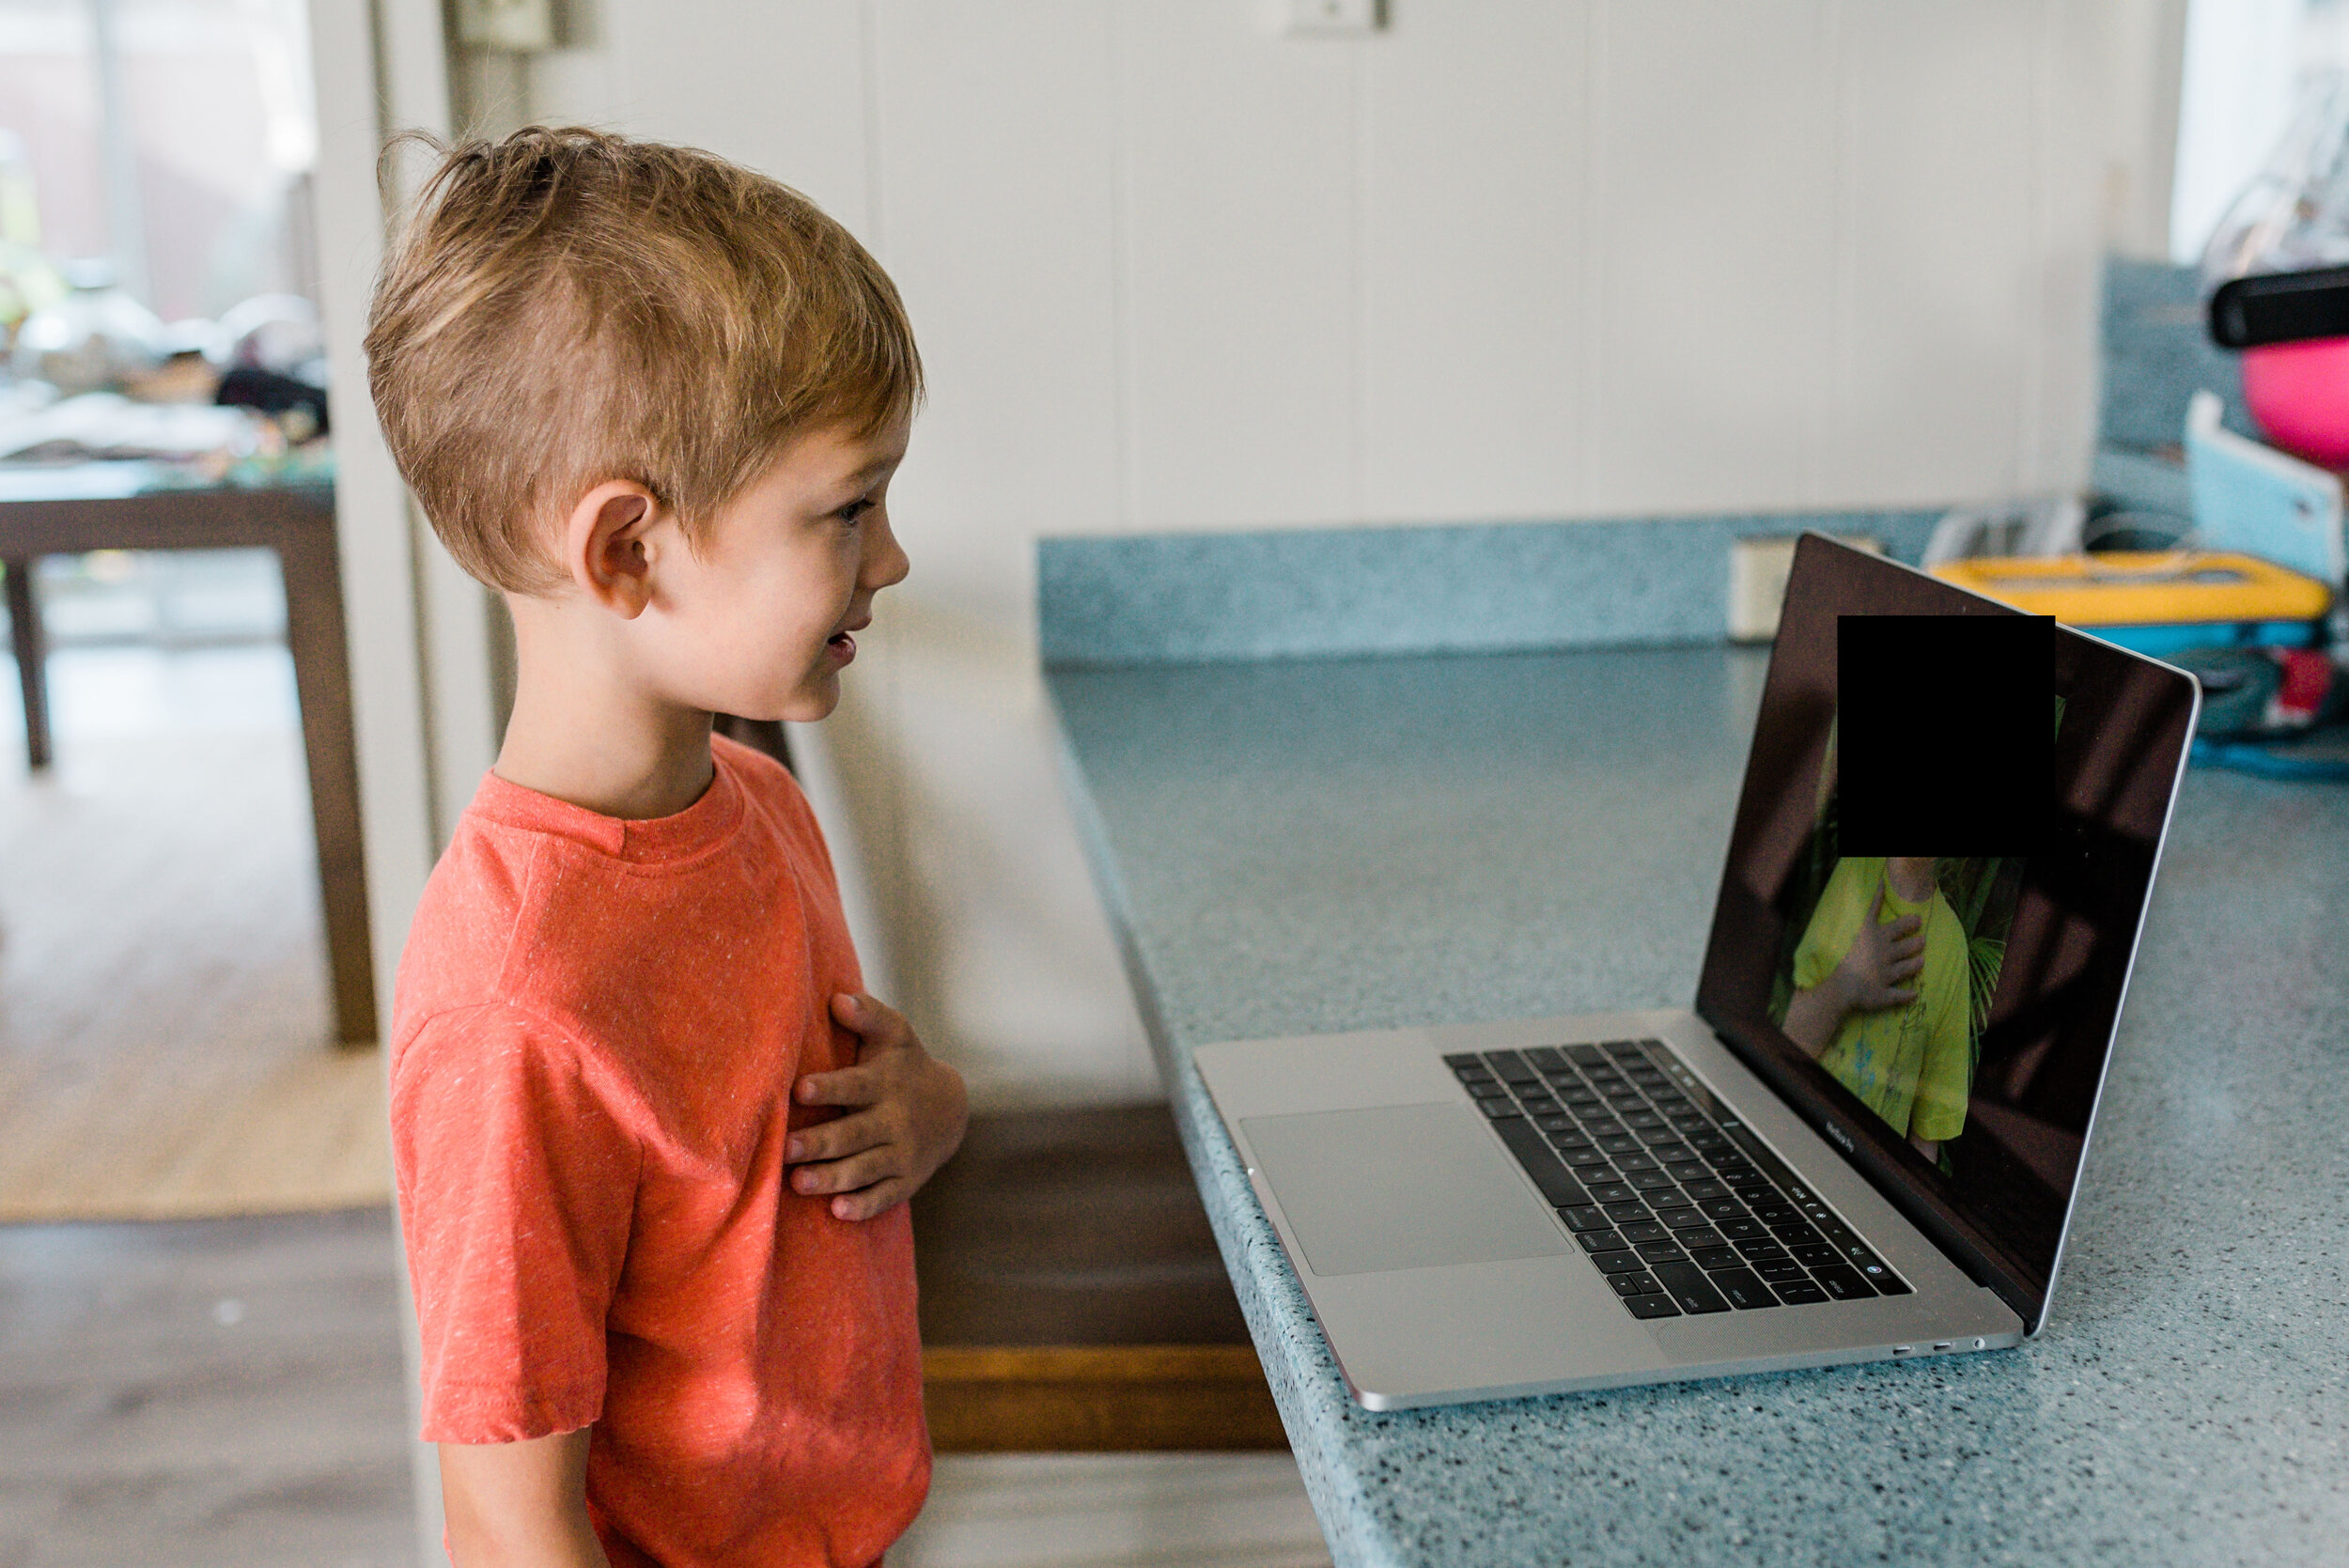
[585,731]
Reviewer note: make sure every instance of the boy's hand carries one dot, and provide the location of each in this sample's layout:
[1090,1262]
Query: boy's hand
[906,1113]
[1882,958]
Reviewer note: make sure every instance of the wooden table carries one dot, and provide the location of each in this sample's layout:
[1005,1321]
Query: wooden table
[68,511]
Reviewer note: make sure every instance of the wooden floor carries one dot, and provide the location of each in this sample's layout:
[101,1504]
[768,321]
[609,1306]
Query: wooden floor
[164,1037]
[218,1392]
[229,1392]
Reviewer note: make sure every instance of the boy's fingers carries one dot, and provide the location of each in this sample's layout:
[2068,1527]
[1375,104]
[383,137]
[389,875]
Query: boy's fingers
[876,1021]
[845,1175]
[842,1086]
[874,1200]
[837,1139]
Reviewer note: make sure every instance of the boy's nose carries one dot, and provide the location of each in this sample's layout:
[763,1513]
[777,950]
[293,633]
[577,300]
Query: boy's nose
[886,565]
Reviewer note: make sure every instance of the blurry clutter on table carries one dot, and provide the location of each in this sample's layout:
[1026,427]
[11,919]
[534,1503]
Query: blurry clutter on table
[93,374]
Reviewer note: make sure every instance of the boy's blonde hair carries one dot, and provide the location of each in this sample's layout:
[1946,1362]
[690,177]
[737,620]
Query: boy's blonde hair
[566,307]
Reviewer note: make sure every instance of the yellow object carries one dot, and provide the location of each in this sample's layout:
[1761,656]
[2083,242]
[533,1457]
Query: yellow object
[2131,588]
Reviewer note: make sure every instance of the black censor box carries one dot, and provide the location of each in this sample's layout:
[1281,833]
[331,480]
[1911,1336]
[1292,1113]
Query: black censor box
[1946,729]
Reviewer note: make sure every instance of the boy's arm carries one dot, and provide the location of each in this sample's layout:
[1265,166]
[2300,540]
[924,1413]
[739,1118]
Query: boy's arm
[907,1111]
[520,1505]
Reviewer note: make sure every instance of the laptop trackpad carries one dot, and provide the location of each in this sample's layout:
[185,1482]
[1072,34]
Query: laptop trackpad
[1399,1187]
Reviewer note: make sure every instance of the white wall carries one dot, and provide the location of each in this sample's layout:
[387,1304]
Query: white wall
[1509,259]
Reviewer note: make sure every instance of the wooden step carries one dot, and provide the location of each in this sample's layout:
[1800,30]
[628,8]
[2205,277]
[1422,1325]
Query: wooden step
[1072,1295]
[1068,1399]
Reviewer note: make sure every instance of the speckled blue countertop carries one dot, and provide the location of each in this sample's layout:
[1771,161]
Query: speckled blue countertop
[1339,844]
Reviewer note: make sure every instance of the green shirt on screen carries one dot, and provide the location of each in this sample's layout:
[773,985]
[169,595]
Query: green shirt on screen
[1911,1064]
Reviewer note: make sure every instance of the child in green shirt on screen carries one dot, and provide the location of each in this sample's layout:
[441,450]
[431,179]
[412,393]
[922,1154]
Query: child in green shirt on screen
[1881,994]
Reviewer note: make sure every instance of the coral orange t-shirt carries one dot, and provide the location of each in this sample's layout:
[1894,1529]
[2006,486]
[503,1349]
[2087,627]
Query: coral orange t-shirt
[597,1026]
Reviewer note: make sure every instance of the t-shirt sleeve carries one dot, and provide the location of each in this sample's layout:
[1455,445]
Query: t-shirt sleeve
[517,1187]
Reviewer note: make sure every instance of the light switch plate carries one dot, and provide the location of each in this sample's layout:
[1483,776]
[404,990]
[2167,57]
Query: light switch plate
[1758,569]
[1325,19]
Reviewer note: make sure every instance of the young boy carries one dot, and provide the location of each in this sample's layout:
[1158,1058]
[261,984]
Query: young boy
[652,1142]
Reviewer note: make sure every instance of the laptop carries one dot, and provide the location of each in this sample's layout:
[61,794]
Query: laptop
[1798,1170]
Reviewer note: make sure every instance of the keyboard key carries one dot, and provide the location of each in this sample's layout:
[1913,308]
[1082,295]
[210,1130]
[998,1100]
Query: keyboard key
[1818,1254]
[1775,1215]
[1569,1144]
[1706,1186]
[1552,1121]
[1624,1262]
[1486,1089]
[1634,1284]
[1744,1291]
[1557,1184]
[1542,1105]
[1842,1283]
[1644,1230]
[1618,1143]
[1655,1138]
[1778,1269]
[1883,1279]
[1800,1293]
[1759,1250]
[1587,1056]
[1621,1048]
[1798,1235]
[1718,1257]
[1634,1161]
[1601,1241]
[1723,1208]
[1463,1058]
[1510,1065]
[1588,1218]
[1659,1251]
[1616,1192]
[1672,1151]
[1680,1219]
[1647,1181]
[1644,1121]
[1500,1110]
[1651,1306]
[1685,1282]
[1741,1230]
[1699,1236]
[1629,1209]
[1547,1059]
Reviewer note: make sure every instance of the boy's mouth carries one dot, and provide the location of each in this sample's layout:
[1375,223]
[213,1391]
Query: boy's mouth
[841,644]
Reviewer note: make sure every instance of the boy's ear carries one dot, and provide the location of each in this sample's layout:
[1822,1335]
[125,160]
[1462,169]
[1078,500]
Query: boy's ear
[604,552]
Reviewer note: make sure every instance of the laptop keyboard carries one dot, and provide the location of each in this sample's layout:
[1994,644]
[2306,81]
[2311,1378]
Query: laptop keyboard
[1673,1197]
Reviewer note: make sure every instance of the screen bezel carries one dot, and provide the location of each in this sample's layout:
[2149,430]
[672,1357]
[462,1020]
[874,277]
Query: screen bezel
[1831,579]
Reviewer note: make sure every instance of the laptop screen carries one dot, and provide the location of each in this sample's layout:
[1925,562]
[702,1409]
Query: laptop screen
[1944,1020]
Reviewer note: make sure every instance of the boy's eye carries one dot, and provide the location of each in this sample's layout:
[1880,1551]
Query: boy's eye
[854,509]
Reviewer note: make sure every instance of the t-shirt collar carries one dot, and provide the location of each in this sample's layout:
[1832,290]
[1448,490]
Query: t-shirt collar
[704,825]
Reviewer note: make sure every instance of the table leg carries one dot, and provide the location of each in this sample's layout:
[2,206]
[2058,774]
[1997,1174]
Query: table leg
[321,660]
[32,656]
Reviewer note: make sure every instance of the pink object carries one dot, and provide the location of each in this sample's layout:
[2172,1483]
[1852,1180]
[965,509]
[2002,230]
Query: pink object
[2299,393]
